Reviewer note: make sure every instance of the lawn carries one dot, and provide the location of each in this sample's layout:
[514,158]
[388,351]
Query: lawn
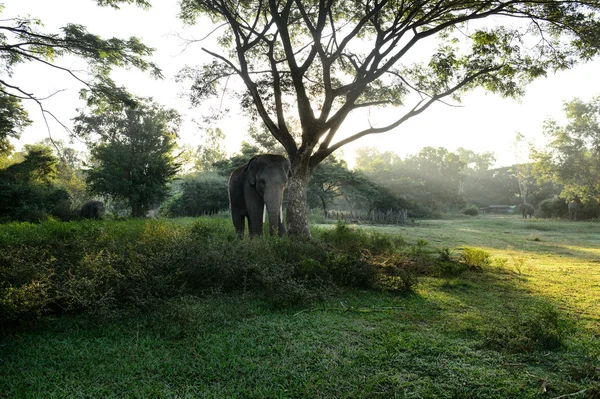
[525,326]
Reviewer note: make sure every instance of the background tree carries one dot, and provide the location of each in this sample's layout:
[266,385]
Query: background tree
[475,162]
[523,166]
[441,172]
[211,150]
[331,180]
[572,156]
[131,152]
[70,175]
[22,41]
[431,179]
[318,61]
[27,192]
[13,119]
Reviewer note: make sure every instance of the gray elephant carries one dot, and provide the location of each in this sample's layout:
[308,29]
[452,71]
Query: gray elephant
[527,210]
[92,210]
[574,207]
[257,187]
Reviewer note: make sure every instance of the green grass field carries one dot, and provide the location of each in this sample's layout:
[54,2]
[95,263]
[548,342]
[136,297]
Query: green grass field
[526,325]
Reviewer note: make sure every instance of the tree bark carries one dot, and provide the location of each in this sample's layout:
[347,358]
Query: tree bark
[297,208]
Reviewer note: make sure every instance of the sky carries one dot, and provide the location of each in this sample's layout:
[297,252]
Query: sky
[483,122]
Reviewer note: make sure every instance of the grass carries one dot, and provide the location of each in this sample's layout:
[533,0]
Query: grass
[525,327]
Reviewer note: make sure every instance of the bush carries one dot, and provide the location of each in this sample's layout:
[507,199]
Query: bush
[102,266]
[206,195]
[356,241]
[541,327]
[32,202]
[553,208]
[447,266]
[471,211]
[476,258]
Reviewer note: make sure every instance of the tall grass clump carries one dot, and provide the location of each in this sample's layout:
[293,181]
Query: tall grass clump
[541,327]
[476,258]
[357,241]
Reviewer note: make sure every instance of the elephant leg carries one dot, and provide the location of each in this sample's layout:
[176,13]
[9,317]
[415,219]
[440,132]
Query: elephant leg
[281,225]
[255,218]
[238,222]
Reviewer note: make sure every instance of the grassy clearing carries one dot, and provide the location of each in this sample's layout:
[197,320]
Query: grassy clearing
[524,326]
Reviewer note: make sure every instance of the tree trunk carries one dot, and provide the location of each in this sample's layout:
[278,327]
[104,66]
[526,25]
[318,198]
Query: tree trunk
[138,210]
[297,208]
[324,207]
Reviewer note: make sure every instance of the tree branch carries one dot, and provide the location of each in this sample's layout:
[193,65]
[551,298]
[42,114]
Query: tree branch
[421,106]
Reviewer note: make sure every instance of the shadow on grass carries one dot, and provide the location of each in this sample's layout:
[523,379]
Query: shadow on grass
[469,336]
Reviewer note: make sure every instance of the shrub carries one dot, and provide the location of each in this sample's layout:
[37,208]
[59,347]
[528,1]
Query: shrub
[541,327]
[206,195]
[476,258]
[356,241]
[553,208]
[471,211]
[102,266]
[447,266]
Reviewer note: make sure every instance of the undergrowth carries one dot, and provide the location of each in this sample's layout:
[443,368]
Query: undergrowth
[98,267]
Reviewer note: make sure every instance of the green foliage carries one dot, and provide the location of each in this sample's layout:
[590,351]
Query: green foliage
[27,189]
[100,266]
[22,41]
[354,342]
[471,211]
[356,240]
[211,151]
[198,195]
[542,327]
[429,180]
[476,258]
[132,160]
[571,158]
[447,266]
[553,208]
[226,166]
[13,119]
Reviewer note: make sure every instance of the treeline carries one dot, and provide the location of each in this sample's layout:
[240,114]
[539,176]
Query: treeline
[441,181]
[135,167]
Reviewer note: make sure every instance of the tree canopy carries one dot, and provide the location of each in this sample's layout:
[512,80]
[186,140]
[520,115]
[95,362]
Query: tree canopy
[23,40]
[572,156]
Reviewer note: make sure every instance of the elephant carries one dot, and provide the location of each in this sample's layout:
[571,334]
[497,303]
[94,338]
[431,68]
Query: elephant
[92,210]
[526,210]
[255,188]
[574,207]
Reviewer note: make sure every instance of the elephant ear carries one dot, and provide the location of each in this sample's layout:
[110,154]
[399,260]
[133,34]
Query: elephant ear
[250,171]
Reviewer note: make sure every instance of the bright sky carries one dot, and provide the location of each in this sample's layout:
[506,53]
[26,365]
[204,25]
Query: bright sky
[484,122]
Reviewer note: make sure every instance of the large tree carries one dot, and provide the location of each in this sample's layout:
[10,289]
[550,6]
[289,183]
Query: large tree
[319,61]
[131,152]
[572,156]
[23,40]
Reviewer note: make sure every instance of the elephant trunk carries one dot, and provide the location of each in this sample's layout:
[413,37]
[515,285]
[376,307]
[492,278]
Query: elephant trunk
[273,204]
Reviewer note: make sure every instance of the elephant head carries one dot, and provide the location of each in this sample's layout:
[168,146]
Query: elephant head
[256,187]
